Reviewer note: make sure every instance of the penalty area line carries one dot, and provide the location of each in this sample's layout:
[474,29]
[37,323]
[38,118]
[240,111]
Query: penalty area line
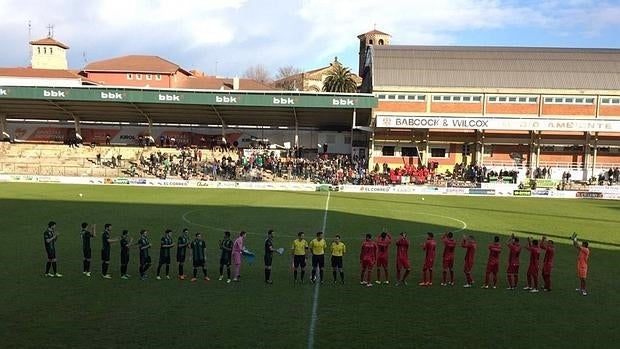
[315,296]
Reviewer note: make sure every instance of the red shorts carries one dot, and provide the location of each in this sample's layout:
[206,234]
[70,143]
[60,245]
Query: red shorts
[492,268]
[428,264]
[467,267]
[382,261]
[582,272]
[513,269]
[367,263]
[403,263]
[448,263]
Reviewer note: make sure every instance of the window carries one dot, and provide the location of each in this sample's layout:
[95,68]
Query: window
[532,99]
[51,50]
[382,97]
[391,96]
[605,100]
[330,139]
[409,151]
[129,76]
[456,98]
[45,50]
[388,150]
[512,99]
[380,41]
[589,100]
[436,98]
[347,139]
[439,153]
[157,76]
[548,100]
[522,99]
[138,76]
[445,98]
[149,77]
[401,97]
[466,98]
[569,100]
[38,50]
[615,101]
[476,98]
[492,99]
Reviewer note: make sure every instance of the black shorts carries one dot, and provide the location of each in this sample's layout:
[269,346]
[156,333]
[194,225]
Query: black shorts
[199,263]
[51,254]
[225,259]
[105,255]
[124,258]
[181,257]
[299,261]
[145,260]
[268,260]
[164,259]
[87,253]
[337,262]
[318,260]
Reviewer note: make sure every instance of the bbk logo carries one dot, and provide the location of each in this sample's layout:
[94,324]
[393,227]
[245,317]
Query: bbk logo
[3,92]
[169,98]
[111,95]
[283,101]
[53,93]
[225,99]
[342,101]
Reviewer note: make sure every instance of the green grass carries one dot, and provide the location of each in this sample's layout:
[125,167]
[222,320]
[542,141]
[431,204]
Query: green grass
[76,312]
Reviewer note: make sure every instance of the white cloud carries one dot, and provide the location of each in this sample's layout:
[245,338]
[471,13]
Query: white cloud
[302,33]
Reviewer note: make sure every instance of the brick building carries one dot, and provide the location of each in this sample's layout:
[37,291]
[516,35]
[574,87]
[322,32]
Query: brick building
[492,106]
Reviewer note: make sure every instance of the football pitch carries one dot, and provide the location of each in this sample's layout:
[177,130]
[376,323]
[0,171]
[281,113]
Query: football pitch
[80,312]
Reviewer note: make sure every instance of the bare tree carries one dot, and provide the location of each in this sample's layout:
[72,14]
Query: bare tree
[259,73]
[289,78]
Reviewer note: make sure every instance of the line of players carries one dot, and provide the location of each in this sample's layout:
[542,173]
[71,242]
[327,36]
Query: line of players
[373,253]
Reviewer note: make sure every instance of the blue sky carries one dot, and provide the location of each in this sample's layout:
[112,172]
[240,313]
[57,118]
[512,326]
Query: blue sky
[228,36]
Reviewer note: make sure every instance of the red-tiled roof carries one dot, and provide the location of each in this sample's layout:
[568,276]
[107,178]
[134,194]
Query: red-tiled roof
[135,64]
[49,41]
[374,31]
[38,73]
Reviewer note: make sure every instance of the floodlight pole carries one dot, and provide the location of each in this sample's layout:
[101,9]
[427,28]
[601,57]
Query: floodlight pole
[223,123]
[296,130]
[353,128]
[147,117]
[3,125]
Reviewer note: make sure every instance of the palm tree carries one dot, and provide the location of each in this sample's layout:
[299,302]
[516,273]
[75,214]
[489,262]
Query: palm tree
[340,79]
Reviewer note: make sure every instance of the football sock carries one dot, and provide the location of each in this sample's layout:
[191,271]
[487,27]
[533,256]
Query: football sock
[123,269]
[87,265]
[334,274]
[204,272]
[321,272]
[583,284]
[221,270]
[303,273]
[158,269]
[54,267]
[167,269]
[228,272]
[195,272]
[313,274]
[104,268]
[494,280]
[430,276]
[266,274]
[84,265]
[48,265]
[181,272]
[342,276]
[452,276]
[362,275]
[295,274]
[444,276]
[387,274]
[398,274]
[406,274]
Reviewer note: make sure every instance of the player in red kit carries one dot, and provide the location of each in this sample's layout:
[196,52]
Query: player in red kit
[368,256]
[383,243]
[513,262]
[469,244]
[495,248]
[549,248]
[402,259]
[448,258]
[532,270]
[429,247]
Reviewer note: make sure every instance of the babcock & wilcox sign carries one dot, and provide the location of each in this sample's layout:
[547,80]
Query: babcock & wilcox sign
[499,123]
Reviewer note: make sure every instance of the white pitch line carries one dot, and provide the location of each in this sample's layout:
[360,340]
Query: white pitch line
[315,297]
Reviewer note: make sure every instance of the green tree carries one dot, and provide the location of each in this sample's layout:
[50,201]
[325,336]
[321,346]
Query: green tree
[340,79]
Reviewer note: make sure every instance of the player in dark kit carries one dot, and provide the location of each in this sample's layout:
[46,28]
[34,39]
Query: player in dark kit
[145,259]
[126,241]
[268,256]
[226,256]
[182,244]
[86,235]
[49,238]
[106,241]
[198,247]
[164,253]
